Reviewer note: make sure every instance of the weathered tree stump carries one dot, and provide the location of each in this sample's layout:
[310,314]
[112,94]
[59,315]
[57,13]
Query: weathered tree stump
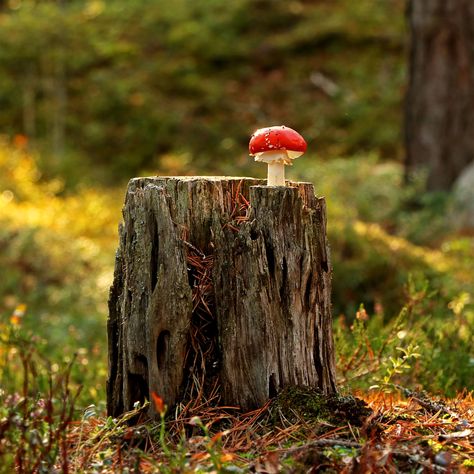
[211,295]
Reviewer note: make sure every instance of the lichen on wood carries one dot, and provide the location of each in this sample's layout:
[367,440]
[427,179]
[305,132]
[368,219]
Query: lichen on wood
[222,286]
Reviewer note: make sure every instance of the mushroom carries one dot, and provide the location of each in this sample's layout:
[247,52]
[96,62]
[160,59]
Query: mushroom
[277,146]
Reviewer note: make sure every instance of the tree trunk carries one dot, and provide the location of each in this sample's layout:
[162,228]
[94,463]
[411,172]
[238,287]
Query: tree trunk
[213,296]
[440,100]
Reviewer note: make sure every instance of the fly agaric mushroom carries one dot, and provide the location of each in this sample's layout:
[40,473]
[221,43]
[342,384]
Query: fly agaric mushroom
[277,146]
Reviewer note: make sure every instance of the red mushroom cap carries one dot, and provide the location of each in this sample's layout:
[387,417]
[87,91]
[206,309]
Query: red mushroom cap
[277,138]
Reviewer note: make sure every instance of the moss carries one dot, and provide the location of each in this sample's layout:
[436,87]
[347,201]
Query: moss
[310,404]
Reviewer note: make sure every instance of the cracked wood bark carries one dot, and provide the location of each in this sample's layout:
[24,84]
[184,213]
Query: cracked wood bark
[212,293]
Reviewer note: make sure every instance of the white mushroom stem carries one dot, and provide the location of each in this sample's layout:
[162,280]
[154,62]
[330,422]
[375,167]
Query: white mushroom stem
[276,174]
[276,160]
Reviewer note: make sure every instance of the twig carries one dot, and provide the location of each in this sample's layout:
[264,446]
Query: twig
[430,405]
[321,443]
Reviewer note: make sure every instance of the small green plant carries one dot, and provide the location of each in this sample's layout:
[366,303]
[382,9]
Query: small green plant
[397,365]
[171,458]
[213,446]
[36,408]
[427,346]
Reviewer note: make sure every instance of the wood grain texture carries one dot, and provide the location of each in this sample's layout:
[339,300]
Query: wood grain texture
[253,316]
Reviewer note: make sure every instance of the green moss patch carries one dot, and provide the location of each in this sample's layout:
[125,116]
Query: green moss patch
[310,404]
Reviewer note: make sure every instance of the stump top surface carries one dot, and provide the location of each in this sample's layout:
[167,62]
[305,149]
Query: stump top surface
[215,179]
[198,178]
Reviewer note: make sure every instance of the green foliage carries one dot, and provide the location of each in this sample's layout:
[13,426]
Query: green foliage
[109,88]
[379,238]
[56,254]
[427,346]
[36,405]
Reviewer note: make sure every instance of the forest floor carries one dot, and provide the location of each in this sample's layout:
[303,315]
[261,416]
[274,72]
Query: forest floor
[378,432]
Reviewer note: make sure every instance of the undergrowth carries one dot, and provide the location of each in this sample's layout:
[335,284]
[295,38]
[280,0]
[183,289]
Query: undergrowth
[56,256]
[36,405]
[399,430]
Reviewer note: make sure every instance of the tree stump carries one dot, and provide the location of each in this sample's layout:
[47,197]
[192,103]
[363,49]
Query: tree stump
[221,288]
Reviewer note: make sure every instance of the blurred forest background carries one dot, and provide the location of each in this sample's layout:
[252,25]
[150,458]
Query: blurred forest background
[95,92]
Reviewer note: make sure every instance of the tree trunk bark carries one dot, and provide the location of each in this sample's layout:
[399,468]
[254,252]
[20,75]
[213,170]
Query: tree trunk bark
[439,122]
[213,296]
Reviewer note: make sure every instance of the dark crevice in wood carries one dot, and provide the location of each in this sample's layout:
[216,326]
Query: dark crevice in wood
[138,389]
[202,361]
[154,256]
[141,363]
[272,386]
[270,257]
[114,394]
[162,347]
[138,380]
[317,359]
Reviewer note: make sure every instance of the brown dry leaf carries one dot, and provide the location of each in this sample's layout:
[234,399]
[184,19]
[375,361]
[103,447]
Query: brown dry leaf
[227,457]
[200,456]
[272,463]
